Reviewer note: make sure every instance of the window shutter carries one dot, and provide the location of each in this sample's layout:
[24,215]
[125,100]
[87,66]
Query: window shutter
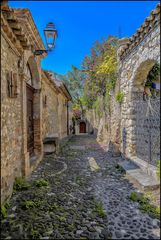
[14,80]
[8,84]
[11,84]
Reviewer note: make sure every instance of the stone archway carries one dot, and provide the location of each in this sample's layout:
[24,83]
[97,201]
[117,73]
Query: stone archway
[36,85]
[31,114]
[145,117]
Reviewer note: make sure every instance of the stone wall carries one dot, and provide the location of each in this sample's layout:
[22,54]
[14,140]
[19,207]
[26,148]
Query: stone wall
[98,124]
[62,116]
[70,119]
[11,122]
[134,69]
[55,105]
[50,123]
[106,124]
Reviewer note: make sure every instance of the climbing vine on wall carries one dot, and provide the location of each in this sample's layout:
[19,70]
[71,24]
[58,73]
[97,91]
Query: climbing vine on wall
[119,97]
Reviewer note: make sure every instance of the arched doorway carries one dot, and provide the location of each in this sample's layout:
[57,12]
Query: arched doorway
[30,112]
[146,110]
[30,120]
[82,127]
[33,108]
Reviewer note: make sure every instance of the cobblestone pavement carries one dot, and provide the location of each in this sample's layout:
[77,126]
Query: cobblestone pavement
[81,201]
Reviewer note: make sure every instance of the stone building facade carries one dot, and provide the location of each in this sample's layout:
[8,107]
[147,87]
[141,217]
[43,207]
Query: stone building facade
[63,109]
[55,98]
[29,100]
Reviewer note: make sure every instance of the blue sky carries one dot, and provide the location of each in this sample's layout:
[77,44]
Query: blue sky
[81,23]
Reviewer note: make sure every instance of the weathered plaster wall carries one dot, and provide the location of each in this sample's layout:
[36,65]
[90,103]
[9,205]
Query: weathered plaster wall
[11,123]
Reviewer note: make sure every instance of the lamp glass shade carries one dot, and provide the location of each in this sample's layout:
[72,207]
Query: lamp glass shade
[50,35]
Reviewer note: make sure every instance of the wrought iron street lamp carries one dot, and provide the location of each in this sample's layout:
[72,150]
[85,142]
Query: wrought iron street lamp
[50,37]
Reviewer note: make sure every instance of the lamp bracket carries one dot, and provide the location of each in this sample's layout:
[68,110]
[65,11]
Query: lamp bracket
[39,52]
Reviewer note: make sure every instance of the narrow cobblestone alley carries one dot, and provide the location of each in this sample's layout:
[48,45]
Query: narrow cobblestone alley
[87,197]
[80,151]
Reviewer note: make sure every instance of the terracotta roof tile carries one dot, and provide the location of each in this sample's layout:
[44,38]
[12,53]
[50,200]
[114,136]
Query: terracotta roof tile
[149,23]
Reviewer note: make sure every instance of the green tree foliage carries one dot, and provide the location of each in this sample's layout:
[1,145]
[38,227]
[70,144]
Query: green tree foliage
[100,68]
[153,75]
[97,78]
[74,80]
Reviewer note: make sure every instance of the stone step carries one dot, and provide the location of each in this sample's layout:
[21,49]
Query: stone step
[136,174]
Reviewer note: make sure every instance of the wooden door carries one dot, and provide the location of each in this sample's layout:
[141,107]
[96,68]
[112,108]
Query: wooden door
[82,127]
[30,120]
